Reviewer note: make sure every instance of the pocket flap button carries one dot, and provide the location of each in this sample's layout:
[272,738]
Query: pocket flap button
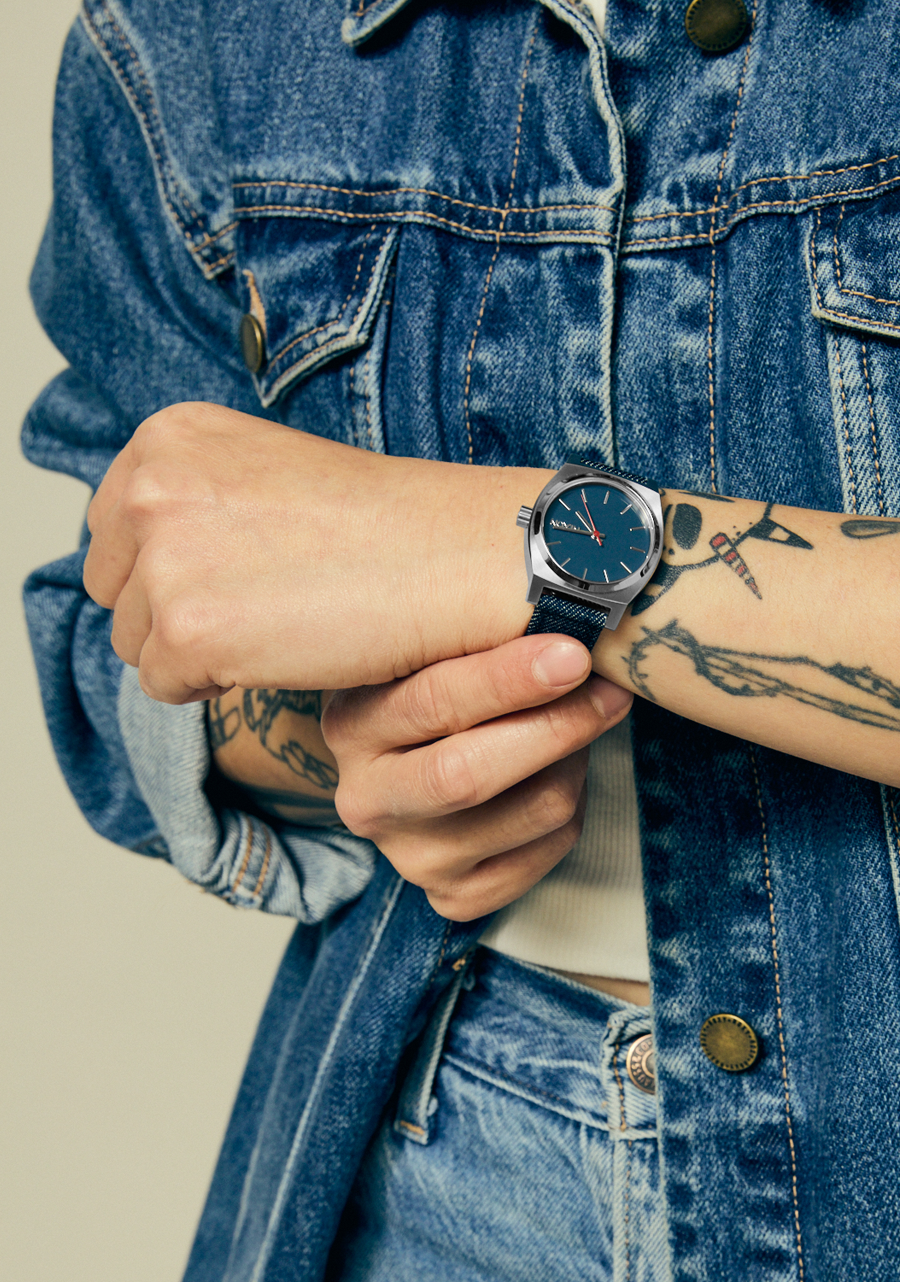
[253,342]
[729,1042]
[715,26]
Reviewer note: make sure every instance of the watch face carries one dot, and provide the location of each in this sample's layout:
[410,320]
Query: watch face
[597,533]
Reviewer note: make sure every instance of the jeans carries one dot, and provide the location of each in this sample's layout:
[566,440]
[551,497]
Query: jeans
[541,1160]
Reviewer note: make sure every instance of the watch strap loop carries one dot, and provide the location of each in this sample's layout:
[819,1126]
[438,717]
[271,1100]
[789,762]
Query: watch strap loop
[555,613]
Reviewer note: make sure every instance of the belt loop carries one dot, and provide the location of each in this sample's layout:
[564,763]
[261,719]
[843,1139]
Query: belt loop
[413,1119]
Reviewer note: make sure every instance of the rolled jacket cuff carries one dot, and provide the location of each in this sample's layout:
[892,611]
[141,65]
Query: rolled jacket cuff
[305,873]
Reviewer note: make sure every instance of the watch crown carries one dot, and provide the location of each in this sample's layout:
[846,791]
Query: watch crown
[524,517]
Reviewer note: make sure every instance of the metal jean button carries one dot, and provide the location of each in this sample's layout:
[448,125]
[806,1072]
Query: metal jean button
[640,1064]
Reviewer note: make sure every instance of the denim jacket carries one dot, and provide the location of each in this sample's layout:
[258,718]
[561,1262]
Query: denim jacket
[474,231]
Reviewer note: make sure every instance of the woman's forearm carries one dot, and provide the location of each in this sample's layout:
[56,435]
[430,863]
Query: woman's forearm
[779,625]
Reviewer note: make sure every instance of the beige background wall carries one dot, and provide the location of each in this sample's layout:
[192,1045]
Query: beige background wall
[129,998]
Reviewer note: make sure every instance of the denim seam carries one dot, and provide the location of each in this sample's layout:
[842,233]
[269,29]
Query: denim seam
[471,1064]
[321,1073]
[247,851]
[421,191]
[367,371]
[338,339]
[757,182]
[798,205]
[845,423]
[855,293]
[503,217]
[710,341]
[335,320]
[875,457]
[168,182]
[413,215]
[778,1006]
[257,889]
[826,311]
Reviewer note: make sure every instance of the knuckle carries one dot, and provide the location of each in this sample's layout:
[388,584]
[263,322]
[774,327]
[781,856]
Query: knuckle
[355,812]
[447,782]
[556,803]
[425,706]
[184,626]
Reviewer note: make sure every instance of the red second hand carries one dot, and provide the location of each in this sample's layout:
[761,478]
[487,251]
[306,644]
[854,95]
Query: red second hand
[595,533]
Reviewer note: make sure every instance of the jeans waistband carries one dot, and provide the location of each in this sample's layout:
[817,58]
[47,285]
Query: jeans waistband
[555,1042]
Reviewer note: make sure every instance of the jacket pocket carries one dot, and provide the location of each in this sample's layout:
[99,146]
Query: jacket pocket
[314,288]
[853,260]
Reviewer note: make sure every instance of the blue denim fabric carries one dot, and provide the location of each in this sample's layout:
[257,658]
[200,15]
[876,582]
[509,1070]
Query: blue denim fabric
[481,234]
[542,1160]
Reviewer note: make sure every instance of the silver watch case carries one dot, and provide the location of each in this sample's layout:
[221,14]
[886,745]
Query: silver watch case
[543,574]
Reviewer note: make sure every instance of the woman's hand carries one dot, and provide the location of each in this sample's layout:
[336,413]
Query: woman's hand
[469,776]
[239,552]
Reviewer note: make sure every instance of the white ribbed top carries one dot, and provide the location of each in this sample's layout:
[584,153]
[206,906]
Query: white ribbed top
[598,9]
[587,915]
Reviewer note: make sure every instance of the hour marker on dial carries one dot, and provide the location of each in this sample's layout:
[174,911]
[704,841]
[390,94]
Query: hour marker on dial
[624,567]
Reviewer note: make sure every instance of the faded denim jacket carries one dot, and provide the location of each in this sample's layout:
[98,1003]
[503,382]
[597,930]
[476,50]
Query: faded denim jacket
[477,232]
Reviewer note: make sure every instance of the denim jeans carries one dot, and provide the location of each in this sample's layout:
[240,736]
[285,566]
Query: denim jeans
[540,1161]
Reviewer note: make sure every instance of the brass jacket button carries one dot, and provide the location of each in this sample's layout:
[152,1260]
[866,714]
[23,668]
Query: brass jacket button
[715,26]
[253,343]
[729,1042]
[640,1064]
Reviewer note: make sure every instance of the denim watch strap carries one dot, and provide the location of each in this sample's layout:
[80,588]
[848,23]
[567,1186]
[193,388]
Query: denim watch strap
[582,461]
[555,613]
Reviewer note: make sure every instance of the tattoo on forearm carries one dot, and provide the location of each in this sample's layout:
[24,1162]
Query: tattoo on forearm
[259,711]
[868,528]
[683,524]
[750,675]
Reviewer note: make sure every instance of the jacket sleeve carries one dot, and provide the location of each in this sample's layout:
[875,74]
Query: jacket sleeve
[133,284]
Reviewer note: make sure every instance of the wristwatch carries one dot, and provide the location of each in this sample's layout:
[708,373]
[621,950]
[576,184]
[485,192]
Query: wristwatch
[592,541]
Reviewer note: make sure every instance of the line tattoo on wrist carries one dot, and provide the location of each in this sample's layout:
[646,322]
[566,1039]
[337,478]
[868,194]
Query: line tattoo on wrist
[746,674]
[259,711]
[683,523]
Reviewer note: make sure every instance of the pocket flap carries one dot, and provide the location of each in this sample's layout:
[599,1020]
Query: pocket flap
[854,262]
[314,287]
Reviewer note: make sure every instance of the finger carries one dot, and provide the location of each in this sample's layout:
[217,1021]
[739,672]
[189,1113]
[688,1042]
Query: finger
[456,694]
[467,769]
[501,879]
[132,621]
[449,848]
[110,557]
[111,487]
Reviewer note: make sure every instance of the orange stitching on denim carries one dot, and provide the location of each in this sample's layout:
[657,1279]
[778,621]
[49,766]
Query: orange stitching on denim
[265,868]
[228,258]
[856,293]
[797,205]
[503,217]
[734,120]
[140,71]
[340,316]
[757,182]
[417,191]
[208,240]
[837,354]
[249,847]
[712,270]
[710,374]
[339,338]
[872,430]
[408,215]
[779,1013]
[410,1126]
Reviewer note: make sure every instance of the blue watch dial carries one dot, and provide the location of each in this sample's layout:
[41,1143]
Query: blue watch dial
[597,533]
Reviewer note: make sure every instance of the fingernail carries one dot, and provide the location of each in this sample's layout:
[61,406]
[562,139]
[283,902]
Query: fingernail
[561,664]
[608,698]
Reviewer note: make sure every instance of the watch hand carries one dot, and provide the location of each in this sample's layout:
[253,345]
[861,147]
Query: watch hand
[594,532]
